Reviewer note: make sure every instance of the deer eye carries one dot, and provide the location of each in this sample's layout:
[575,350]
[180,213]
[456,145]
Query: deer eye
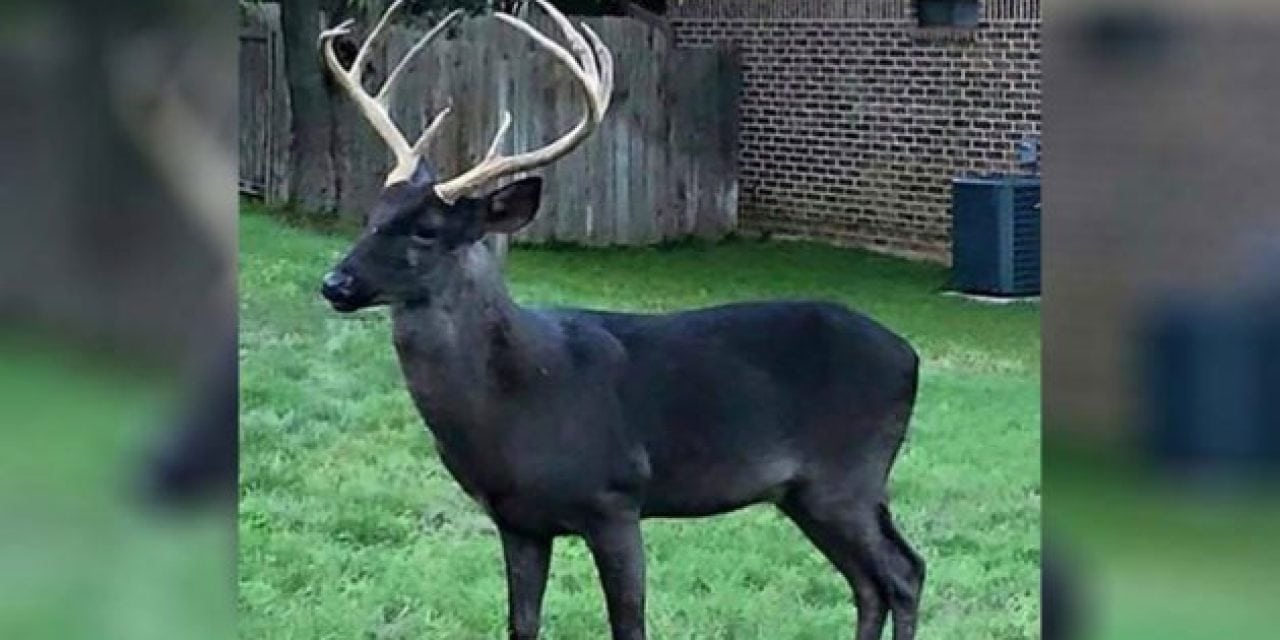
[424,237]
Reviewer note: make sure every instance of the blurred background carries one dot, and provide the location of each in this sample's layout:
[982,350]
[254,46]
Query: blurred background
[117,320]
[1162,252]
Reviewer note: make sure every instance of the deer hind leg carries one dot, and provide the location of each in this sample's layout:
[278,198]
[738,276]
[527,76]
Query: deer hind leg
[857,537]
[908,572]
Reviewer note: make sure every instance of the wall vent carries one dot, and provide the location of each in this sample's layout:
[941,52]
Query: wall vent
[948,13]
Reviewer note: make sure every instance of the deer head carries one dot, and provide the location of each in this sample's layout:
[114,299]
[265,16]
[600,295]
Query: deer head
[421,228]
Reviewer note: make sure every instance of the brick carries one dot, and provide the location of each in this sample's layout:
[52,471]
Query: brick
[853,125]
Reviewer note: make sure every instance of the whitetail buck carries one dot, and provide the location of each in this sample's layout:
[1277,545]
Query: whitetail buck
[577,422]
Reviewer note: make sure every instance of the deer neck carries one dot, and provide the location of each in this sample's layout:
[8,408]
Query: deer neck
[464,349]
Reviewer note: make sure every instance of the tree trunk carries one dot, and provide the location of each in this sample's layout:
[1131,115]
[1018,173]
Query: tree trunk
[313,180]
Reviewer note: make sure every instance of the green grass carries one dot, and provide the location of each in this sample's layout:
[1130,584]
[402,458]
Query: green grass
[351,528]
[83,556]
[1209,573]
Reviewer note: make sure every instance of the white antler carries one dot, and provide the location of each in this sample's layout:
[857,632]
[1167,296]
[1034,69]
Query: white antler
[591,64]
[375,108]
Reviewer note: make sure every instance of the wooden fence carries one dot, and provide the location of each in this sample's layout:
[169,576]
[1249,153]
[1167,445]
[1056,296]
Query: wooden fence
[662,166]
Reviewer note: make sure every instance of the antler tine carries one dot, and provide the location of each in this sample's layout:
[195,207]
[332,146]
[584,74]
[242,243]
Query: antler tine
[592,68]
[377,116]
[606,69]
[497,137]
[375,108]
[385,94]
[357,67]
[582,50]
[342,29]
[428,134]
[550,45]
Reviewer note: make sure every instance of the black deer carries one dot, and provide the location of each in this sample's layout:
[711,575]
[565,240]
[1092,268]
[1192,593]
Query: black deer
[578,422]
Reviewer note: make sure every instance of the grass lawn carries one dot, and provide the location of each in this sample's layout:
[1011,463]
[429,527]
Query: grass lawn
[351,528]
[83,556]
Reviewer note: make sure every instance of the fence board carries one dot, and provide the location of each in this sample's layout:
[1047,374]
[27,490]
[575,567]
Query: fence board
[663,164]
[708,133]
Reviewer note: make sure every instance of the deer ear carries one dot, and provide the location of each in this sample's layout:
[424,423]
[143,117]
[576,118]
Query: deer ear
[510,208]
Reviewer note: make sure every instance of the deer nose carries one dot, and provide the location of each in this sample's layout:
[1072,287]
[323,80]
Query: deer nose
[336,286]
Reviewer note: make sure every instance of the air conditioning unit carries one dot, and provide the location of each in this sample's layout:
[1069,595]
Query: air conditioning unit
[1209,371]
[995,235]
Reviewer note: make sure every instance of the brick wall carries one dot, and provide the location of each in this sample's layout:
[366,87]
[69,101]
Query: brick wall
[854,119]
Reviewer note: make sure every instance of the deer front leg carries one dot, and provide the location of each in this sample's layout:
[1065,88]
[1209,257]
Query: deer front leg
[527,561]
[618,550]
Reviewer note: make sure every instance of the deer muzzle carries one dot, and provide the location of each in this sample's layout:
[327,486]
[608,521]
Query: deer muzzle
[340,289]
